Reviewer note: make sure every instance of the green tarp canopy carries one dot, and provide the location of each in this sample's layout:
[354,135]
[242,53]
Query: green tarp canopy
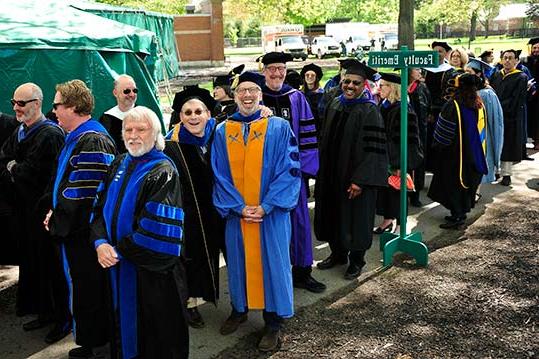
[167,64]
[49,42]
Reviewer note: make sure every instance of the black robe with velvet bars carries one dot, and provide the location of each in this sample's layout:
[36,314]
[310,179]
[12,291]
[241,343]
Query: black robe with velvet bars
[353,150]
[139,212]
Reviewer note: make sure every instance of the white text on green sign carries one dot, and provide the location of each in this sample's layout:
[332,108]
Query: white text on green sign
[401,59]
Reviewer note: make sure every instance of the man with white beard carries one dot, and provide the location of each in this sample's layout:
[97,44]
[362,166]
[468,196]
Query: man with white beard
[137,230]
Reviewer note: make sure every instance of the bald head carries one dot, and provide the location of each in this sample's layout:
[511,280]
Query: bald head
[27,102]
[124,91]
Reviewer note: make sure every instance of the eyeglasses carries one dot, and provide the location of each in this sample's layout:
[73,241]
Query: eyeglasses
[354,82]
[197,112]
[243,90]
[55,105]
[128,91]
[274,69]
[21,103]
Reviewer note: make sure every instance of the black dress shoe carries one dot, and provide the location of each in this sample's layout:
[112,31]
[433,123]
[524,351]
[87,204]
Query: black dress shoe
[528,158]
[353,271]
[270,340]
[58,332]
[194,319]
[380,230]
[453,225]
[81,353]
[310,284]
[35,324]
[232,323]
[452,218]
[331,262]
[506,181]
[416,203]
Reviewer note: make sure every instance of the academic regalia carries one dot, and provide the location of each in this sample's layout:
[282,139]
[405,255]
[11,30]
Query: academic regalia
[259,272]
[112,121]
[82,165]
[460,139]
[494,115]
[227,109]
[8,124]
[420,100]
[352,150]
[290,104]
[388,197]
[203,227]
[314,98]
[139,212]
[532,63]
[35,150]
[511,91]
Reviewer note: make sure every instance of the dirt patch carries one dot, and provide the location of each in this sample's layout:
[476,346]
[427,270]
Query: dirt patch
[478,298]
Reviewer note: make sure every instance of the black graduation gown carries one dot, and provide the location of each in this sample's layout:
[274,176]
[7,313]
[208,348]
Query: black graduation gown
[113,125]
[69,225]
[420,100]
[204,228]
[353,150]
[532,63]
[446,187]
[161,330]
[314,98]
[24,186]
[511,91]
[227,108]
[389,198]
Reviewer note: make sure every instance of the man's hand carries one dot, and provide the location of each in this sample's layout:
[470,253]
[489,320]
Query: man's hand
[353,191]
[253,214]
[47,219]
[106,255]
[265,111]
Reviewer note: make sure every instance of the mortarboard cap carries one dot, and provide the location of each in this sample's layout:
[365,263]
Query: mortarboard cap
[275,58]
[346,63]
[443,44]
[478,65]
[359,68]
[251,77]
[293,78]
[312,67]
[533,41]
[193,92]
[393,78]
[226,80]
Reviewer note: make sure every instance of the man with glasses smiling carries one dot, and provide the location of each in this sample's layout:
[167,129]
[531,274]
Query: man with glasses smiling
[353,165]
[291,104]
[27,161]
[125,91]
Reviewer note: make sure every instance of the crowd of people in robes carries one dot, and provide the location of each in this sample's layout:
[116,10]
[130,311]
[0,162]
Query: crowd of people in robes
[120,229]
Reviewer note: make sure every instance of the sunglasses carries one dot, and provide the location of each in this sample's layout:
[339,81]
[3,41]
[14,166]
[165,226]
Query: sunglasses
[55,105]
[354,82]
[197,112]
[128,91]
[21,103]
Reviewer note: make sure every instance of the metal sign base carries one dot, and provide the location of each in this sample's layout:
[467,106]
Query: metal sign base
[412,244]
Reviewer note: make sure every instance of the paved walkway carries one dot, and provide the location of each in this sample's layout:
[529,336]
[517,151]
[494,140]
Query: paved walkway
[207,342]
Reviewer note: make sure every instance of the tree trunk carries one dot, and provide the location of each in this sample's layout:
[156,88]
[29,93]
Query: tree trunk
[406,23]
[473,25]
[487,27]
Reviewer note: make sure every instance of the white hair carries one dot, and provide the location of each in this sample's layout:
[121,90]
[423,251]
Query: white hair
[141,113]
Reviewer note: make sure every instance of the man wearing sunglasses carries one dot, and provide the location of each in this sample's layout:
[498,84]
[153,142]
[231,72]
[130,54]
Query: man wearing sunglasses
[125,91]
[82,165]
[27,161]
[291,104]
[353,164]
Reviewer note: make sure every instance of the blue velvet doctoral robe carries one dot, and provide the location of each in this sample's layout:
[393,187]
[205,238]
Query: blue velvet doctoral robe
[494,113]
[279,190]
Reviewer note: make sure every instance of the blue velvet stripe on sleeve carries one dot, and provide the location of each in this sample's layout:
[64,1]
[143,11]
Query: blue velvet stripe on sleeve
[156,245]
[444,131]
[162,210]
[161,229]
[77,193]
[87,175]
[100,158]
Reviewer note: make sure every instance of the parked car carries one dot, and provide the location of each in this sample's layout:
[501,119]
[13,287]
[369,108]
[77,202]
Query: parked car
[356,43]
[322,46]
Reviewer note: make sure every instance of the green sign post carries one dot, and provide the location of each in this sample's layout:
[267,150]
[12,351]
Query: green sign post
[404,59]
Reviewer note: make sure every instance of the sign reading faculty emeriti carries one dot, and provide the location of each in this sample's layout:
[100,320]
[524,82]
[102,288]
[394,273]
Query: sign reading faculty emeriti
[402,59]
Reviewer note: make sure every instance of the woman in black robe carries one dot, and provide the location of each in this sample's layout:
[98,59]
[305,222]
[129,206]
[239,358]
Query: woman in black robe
[188,145]
[388,203]
[311,75]
[459,139]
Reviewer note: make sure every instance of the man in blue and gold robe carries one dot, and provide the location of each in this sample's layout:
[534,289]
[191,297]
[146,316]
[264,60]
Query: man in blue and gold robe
[137,230]
[256,165]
